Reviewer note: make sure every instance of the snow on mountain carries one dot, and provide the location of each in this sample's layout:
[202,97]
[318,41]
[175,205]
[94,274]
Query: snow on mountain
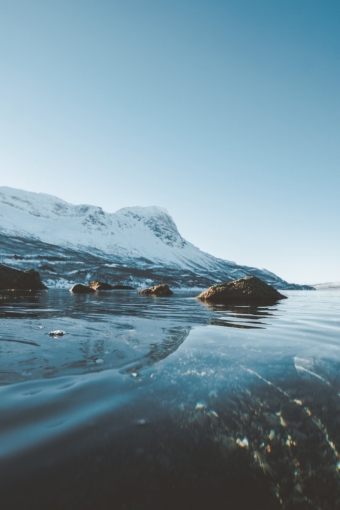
[135,232]
[327,286]
[144,238]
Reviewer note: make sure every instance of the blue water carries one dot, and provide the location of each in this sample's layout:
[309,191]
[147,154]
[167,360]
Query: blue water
[167,402]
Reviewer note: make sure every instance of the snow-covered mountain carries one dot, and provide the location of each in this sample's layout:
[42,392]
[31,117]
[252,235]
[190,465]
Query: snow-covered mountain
[76,243]
[327,286]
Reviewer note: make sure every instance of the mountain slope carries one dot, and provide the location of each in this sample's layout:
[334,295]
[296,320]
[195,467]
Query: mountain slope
[70,243]
[327,286]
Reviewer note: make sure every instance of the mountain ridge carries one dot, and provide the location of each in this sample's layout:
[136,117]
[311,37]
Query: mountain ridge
[35,226]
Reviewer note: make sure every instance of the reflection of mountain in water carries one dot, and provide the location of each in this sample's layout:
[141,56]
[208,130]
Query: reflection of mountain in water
[86,348]
[160,350]
[98,307]
[104,330]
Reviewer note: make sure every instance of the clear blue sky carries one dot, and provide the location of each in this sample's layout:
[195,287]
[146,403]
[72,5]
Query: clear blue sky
[224,112]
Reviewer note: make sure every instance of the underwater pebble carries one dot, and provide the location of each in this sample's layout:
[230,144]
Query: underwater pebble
[99,360]
[199,405]
[141,422]
[243,443]
[271,435]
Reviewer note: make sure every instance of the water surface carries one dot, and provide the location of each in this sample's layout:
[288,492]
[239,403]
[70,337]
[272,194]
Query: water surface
[162,402]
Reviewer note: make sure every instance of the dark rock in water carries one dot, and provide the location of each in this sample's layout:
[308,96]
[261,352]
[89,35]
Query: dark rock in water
[78,288]
[13,279]
[106,286]
[157,290]
[249,290]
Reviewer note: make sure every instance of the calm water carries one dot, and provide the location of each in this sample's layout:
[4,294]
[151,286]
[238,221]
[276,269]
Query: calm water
[168,403]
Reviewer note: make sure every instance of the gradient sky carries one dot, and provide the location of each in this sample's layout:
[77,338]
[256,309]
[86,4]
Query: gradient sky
[224,112]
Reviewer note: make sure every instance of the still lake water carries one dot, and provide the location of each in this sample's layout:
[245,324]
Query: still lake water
[164,403]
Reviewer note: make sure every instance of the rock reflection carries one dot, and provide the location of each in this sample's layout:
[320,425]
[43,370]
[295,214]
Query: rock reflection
[243,317]
[15,304]
[99,308]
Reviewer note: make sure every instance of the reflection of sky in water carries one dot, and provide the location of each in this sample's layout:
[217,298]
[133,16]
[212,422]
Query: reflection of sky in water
[262,393]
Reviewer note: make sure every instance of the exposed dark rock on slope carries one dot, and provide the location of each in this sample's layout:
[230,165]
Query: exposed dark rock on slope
[14,279]
[249,290]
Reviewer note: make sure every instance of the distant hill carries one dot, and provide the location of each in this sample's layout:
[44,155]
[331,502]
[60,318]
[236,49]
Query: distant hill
[327,286]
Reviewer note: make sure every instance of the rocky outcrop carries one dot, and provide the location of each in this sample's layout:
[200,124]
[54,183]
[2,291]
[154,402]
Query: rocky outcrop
[249,290]
[78,288]
[106,286]
[157,290]
[13,279]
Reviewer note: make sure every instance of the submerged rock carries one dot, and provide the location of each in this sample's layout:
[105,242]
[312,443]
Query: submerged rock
[249,290]
[157,290]
[14,279]
[106,286]
[79,288]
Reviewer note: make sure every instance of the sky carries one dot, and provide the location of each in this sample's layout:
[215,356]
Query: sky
[227,113]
